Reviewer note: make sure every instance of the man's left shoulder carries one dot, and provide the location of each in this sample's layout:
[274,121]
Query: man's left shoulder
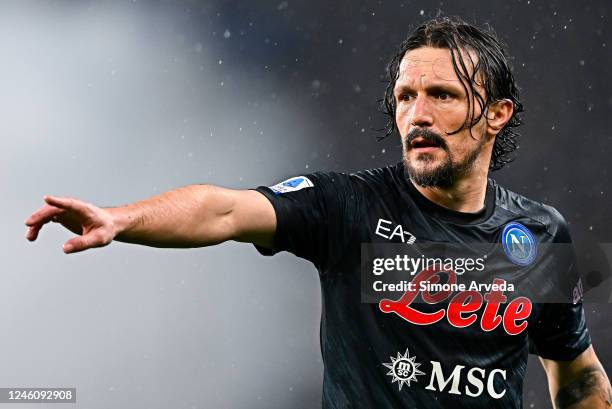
[540,212]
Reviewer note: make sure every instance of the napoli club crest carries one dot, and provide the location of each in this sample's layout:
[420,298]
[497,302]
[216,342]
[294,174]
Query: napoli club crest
[519,244]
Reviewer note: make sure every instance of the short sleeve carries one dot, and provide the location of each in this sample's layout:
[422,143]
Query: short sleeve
[314,213]
[559,331]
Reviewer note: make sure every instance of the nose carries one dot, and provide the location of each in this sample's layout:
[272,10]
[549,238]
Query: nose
[421,114]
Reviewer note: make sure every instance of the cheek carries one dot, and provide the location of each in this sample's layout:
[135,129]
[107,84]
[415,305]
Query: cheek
[462,144]
[456,148]
[452,119]
[403,114]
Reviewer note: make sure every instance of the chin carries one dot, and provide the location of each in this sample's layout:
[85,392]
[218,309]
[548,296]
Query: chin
[422,165]
[424,170]
[428,171]
[423,161]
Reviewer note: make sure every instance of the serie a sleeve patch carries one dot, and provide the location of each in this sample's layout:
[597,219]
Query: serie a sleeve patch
[292,185]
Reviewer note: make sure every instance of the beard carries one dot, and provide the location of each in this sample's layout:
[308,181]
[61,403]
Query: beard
[445,174]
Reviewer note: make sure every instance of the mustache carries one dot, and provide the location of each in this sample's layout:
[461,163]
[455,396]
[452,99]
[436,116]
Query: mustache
[428,135]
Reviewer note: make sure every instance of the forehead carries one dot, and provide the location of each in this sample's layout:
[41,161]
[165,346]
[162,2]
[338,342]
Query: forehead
[431,64]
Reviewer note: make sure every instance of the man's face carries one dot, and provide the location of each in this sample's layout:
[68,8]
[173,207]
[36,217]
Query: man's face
[431,102]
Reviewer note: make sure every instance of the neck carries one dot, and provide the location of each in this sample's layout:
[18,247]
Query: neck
[466,195]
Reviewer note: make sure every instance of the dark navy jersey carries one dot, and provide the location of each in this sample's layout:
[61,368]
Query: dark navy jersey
[377,359]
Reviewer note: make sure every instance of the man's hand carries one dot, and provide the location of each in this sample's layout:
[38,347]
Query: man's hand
[581,383]
[191,216]
[95,226]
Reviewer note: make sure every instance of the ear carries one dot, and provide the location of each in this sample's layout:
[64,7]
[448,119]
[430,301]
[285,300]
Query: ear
[498,115]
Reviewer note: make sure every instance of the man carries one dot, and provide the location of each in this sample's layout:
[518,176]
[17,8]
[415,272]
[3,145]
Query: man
[453,101]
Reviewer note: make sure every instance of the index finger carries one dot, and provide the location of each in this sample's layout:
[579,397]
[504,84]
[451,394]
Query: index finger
[66,203]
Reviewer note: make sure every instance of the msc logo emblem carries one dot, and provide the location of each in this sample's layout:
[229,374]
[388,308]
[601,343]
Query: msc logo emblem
[403,369]
[519,244]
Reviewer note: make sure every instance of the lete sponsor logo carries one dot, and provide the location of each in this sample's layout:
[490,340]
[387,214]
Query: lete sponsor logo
[463,309]
[472,382]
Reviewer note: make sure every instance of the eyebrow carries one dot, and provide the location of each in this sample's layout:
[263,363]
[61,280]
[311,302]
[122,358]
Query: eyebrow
[436,87]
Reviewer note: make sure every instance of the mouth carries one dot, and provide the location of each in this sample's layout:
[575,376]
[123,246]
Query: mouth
[420,144]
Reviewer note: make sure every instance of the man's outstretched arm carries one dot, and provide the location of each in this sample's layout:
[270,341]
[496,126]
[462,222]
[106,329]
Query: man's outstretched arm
[191,216]
[577,384]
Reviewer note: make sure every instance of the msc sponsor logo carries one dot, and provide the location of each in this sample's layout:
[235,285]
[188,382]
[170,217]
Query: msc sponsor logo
[460,380]
[519,244]
[474,385]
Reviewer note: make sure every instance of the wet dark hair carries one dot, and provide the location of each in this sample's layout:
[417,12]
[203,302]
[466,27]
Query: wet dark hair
[492,68]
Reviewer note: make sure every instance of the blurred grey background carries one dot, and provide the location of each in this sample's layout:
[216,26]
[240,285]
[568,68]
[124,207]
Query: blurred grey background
[115,101]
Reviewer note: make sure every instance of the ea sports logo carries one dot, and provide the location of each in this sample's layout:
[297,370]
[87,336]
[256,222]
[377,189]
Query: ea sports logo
[519,244]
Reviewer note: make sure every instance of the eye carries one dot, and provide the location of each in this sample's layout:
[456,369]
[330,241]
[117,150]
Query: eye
[444,95]
[404,97]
